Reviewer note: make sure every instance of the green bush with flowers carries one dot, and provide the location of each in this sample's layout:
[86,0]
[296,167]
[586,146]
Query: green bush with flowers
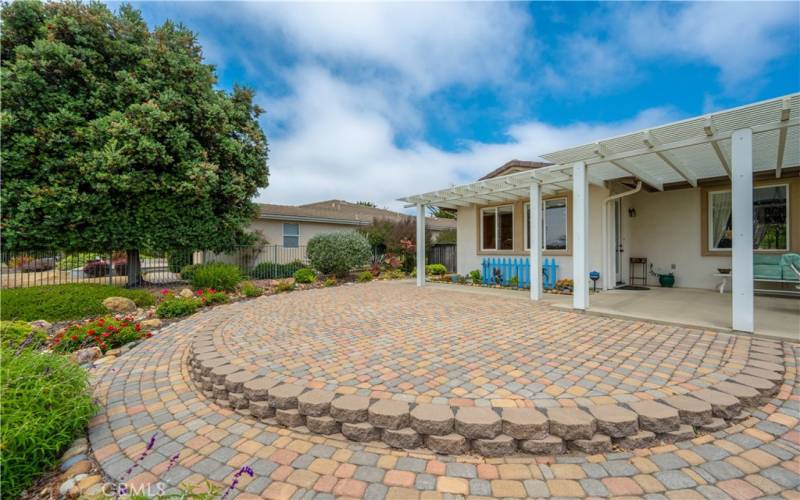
[106,333]
[175,307]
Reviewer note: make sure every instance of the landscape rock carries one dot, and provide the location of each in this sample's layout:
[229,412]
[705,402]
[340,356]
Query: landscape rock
[284,396]
[402,438]
[322,425]
[316,402]
[525,423]
[692,411]
[571,423]
[432,419]
[41,324]
[86,355]
[350,408]
[389,414]
[656,417]
[723,405]
[549,445]
[475,422]
[499,446]
[447,444]
[642,439]
[362,431]
[151,324]
[615,421]
[599,443]
[119,304]
[186,293]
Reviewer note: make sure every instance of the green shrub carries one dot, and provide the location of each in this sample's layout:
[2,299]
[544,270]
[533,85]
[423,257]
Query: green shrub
[338,253]
[514,282]
[436,269]
[475,276]
[394,274]
[14,333]
[284,286]
[216,275]
[272,270]
[64,302]
[175,307]
[46,405]
[364,276]
[248,289]
[305,275]
[179,259]
[105,333]
[330,282]
[187,271]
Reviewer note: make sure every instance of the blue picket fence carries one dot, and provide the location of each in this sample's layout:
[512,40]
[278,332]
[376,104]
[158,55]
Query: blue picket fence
[501,271]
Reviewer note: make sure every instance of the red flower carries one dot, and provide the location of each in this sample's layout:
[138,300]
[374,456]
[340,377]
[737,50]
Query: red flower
[74,337]
[211,290]
[165,292]
[91,332]
[148,334]
[106,334]
[138,328]
[199,292]
[203,300]
[101,322]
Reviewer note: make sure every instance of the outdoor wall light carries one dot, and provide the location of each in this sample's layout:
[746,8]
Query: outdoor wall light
[631,212]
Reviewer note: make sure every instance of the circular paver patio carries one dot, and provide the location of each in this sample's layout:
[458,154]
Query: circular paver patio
[392,340]
[149,392]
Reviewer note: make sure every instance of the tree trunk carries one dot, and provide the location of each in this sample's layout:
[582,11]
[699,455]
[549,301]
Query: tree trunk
[134,268]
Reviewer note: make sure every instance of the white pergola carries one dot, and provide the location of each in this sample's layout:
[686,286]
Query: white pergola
[735,143]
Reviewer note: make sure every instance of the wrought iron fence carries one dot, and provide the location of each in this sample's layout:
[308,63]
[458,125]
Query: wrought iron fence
[51,267]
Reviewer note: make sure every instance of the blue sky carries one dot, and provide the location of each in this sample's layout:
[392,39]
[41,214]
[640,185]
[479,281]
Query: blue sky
[377,101]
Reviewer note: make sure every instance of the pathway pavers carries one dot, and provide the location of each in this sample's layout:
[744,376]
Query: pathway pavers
[150,391]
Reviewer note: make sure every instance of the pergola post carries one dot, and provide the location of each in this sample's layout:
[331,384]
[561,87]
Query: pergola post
[420,244]
[580,236]
[535,233]
[742,222]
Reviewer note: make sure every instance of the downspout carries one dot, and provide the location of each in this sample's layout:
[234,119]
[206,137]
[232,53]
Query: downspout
[606,235]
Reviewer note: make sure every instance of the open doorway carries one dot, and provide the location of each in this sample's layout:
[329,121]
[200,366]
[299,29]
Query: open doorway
[618,248]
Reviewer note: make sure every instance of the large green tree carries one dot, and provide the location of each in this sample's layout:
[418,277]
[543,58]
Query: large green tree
[114,137]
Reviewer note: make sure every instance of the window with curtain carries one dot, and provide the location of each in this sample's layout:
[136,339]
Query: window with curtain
[770,219]
[554,224]
[497,228]
[291,235]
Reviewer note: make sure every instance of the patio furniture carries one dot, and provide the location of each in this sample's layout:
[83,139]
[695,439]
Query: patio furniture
[771,268]
[632,276]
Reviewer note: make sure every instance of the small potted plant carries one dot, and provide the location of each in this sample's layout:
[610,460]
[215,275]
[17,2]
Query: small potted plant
[666,280]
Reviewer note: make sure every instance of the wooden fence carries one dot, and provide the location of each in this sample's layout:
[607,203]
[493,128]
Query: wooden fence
[516,271]
[444,254]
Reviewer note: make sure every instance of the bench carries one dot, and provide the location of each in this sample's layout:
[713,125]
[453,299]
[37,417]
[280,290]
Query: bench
[771,268]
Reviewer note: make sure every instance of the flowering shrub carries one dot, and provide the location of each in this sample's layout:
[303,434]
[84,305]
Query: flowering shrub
[338,253]
[209,297]
[106,333]
[175,307]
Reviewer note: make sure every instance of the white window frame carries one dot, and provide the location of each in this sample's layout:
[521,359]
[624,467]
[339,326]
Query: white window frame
[544,225]
[496,209]
[284,235]
[710,220]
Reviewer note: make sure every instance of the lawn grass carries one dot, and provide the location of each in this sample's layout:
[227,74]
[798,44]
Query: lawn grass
[63,302]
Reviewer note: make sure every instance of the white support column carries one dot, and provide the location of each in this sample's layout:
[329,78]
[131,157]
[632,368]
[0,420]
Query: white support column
[420,244]
[580,236]
[742,221]
[535,232]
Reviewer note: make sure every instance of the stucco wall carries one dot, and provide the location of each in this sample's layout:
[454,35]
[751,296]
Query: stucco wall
[469,258]
[667,231]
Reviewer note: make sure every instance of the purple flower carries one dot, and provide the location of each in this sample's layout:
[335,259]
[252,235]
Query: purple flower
[246,469]
[173,461]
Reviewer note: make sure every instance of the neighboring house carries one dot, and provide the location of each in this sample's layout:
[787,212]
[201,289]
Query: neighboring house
[663,194]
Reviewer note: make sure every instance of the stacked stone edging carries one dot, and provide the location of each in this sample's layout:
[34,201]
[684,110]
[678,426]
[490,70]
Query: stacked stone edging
[484,430]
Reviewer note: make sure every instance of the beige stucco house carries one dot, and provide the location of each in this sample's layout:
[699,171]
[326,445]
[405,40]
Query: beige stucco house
[714,199]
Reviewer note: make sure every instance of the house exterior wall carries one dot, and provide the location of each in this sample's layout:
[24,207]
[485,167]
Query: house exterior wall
[468,227]
[272,230]
[669,228]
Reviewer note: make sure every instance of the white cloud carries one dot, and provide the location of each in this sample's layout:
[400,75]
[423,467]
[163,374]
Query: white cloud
[739,38]
[339,143]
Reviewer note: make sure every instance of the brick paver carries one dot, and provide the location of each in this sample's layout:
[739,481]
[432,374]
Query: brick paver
[436,341]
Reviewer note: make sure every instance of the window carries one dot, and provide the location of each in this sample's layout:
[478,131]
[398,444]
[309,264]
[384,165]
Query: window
[554,224]
[770,219]
[291,235]
[497,228]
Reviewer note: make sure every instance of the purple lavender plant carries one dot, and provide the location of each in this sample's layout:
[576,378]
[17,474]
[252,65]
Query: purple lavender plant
[243,470]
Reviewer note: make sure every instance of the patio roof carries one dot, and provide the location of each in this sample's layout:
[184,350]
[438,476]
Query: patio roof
[682,152]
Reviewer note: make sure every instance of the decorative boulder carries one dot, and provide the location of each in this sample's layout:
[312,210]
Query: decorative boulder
[119,304]
[83,356]
[151,324]
[40,324]
[186,293]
